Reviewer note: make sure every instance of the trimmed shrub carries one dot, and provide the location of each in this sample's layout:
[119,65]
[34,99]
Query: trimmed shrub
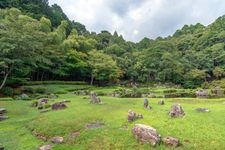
[170,91]
[41,90]
[7,91]
[28,89]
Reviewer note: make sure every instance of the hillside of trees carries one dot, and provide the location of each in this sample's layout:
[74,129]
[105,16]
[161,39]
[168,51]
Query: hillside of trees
[38,42]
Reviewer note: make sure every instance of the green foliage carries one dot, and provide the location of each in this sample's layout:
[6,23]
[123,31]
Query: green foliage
[40,90]
[7,91]
[103,67]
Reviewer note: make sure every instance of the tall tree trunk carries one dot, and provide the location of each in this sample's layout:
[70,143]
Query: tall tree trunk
[4,80]
[42,75]
[92,79]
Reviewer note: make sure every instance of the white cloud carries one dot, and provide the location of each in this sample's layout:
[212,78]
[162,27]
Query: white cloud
[136,19]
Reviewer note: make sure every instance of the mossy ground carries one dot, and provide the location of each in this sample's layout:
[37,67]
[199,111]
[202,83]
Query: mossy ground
[195,130]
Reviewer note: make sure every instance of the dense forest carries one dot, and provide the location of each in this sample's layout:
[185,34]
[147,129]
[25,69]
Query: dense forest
[38,42]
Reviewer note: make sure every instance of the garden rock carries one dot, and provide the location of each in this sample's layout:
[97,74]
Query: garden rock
[1,147]
[171,141]
[176,111]
[2,111]
[52,96]
[74,135]
[202,93]
[146,103]
[45,147]
[132,116]
[202,110]
[43,100]
[57,140]
[149,107]
[94,98]
[161,102]
[146,134]
[44,111]
[94,125]
[3,118]
[66,101]
[24,96]
[58,105]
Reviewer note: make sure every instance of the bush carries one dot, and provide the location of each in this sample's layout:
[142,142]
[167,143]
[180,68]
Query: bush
[28,89]
[41,90]
[7,91]
[56,82]
[100,93]
[60,92]
[170,91]
[180,94]
[128,92]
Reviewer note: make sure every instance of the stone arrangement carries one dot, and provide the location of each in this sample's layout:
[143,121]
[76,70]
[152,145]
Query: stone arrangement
[132,116]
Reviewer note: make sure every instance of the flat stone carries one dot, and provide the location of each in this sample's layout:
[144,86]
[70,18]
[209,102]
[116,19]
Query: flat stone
[43,100]
[94,125]
[74,134]
[171,141]
[3,118]
[58,105]
[66,101]
[146,134]
[45,147]
[57,140]
[202,110]
[46,110]
[2,111]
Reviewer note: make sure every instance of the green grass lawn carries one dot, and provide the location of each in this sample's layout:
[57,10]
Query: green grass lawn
[195,130]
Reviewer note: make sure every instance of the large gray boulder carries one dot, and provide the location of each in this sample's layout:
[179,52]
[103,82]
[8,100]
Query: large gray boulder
[176,111]
[94,98]
[146,134]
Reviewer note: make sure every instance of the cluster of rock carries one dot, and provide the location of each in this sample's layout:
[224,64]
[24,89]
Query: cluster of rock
[149,135]
[202,93]
[3,111]
[94,98]
[82,92]
[132,116]
[147,106]
[44,104]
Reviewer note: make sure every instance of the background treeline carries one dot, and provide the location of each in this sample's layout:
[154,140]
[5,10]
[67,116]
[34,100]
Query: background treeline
[38,42]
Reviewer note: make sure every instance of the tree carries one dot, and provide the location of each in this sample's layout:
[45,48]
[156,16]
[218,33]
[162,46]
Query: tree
[103,67]
[218,72]
[21,43]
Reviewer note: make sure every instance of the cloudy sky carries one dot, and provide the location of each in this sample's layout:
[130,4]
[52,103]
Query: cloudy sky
[135,19]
